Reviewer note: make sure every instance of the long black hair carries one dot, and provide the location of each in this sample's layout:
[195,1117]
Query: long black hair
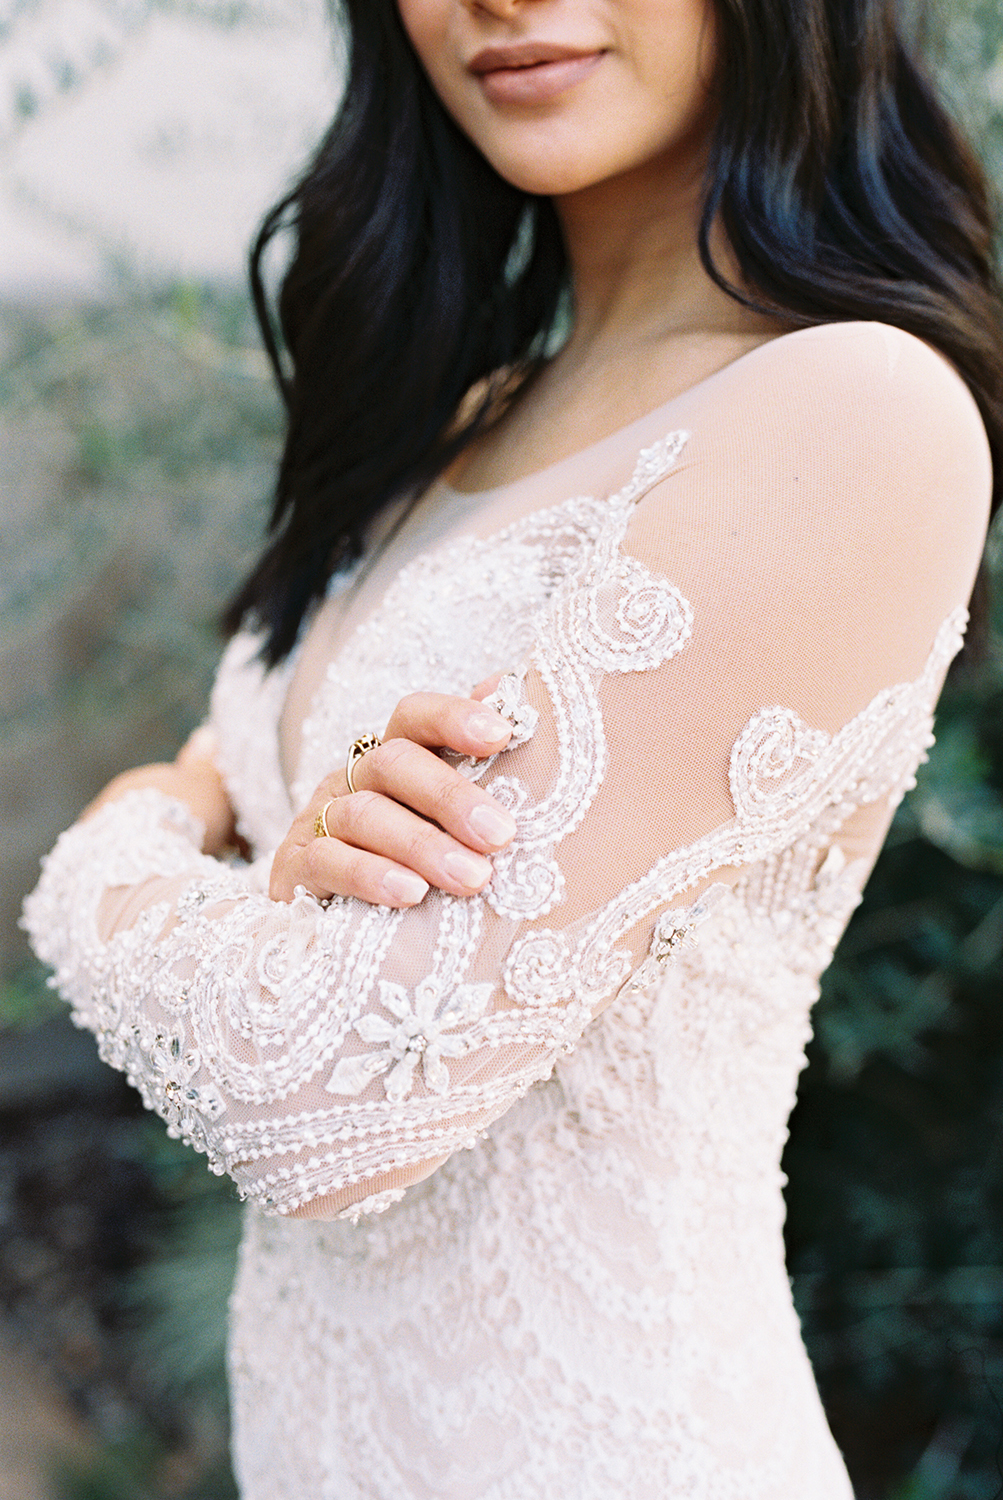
[419,275]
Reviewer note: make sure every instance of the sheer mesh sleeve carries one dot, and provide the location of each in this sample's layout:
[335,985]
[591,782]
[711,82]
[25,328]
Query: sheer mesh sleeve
[744,661]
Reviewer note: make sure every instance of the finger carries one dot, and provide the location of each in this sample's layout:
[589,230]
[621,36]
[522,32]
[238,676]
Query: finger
[201,744]
[486,688]
[414,776]
[371,823]
[326,867]
[441,722]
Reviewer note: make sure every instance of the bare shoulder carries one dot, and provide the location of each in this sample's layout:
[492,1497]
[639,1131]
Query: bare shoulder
[844,467]
[861,409]
[868,374]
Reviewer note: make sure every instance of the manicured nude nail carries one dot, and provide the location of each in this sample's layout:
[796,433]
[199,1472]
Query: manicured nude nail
[491,728]
[466,869]
[404,887]
[203,742]
[491,824]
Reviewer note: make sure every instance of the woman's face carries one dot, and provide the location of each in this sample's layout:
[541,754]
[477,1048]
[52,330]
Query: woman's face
[562,94]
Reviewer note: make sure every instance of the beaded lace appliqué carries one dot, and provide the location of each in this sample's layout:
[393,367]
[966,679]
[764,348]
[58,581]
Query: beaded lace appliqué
[627,1207]
[286,1042]
[592,1300]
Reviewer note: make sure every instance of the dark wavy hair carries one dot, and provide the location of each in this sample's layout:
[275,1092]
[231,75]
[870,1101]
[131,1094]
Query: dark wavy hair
[419,275]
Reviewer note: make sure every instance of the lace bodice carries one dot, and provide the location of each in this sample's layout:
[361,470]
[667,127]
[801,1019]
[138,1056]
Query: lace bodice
[712,729]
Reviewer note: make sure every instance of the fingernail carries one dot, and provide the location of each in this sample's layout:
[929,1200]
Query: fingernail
[466,869]
[491,728]
[203,741]
[404,886]
[492,824]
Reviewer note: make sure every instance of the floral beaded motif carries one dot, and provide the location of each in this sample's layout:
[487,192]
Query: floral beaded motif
[423,1030]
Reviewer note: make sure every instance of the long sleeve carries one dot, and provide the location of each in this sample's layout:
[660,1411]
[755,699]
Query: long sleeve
[739,658]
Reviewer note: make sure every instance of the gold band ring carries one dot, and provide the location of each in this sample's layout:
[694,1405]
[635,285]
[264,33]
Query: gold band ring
[357,750]
[320,828]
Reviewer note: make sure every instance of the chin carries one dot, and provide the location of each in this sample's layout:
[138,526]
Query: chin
[547,178]
[542,185]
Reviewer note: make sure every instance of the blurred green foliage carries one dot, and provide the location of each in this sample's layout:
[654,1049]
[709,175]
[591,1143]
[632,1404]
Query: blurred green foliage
[26,999]
[137,443]
[895,1160]
[137,446]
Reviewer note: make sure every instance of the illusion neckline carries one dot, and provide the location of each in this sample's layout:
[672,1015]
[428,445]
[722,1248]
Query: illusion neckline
[646,419]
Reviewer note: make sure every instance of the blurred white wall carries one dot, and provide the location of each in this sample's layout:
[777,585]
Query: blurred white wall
[147,137]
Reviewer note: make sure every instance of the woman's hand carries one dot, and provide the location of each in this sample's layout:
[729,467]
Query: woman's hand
[193,779]
[414,821]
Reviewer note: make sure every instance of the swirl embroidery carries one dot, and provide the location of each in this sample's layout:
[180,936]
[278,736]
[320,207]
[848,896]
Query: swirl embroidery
[774,765]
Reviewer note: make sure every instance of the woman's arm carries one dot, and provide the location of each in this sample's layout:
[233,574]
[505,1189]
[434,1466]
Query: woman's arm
[319,1055]
[412,817]
[192,778]
[413,821]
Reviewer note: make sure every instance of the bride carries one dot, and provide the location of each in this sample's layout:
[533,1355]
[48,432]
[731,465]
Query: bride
[639,357]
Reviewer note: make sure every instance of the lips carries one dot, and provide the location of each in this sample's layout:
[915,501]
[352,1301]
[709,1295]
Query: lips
[532,72]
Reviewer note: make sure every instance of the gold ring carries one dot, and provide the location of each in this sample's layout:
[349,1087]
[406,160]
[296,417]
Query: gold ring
[320,828]
[356,751]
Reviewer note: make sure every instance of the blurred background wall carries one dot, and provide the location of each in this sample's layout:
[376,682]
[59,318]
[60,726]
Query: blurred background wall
[140,143]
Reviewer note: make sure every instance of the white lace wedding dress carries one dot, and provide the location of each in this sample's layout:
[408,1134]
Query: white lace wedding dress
[725,629]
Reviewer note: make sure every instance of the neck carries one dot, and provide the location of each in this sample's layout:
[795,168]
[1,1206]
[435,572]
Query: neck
[649,323]
[632,245]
